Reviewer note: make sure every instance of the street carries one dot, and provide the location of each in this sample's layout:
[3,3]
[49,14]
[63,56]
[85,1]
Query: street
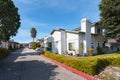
[25,65]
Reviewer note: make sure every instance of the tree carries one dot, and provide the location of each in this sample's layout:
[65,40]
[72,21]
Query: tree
[110,17]
[33,33]
[35,45]
[9,19]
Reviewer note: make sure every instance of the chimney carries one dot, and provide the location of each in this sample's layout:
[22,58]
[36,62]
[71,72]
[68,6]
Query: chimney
[86,27]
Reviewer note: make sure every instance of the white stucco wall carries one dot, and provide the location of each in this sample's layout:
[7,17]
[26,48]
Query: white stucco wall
[46,40]
[56,35]
[86,27]
[62,40]
[4,45]
[56,44]
[93,30]
[73,38]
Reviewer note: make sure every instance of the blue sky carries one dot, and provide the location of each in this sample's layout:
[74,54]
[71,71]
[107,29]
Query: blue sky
[46,15]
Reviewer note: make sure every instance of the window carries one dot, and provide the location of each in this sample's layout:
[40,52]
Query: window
[92,45]
[98,30]
[103,44]
[71,46]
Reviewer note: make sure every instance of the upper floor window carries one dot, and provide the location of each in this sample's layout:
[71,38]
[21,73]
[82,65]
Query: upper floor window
[98,30]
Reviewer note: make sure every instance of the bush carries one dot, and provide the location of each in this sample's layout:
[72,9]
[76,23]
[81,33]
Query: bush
[3,53]
[57,57]
[89,65]
[100,50]
[35,45]
[90,51]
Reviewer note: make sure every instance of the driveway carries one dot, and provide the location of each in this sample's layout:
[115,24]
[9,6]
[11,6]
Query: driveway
[25,65]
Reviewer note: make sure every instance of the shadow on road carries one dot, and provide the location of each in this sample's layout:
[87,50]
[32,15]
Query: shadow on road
[38,70]
[23,69]
[28,70]
[13,56]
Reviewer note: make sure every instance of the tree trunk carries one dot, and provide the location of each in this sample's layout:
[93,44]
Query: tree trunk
[33,39]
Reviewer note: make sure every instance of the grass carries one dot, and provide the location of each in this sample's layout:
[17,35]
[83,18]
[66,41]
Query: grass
[102,55]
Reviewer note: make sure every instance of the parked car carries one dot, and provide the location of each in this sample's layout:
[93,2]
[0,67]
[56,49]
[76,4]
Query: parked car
[39,50]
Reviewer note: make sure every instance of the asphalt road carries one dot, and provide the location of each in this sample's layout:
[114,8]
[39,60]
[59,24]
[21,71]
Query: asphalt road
[25,65]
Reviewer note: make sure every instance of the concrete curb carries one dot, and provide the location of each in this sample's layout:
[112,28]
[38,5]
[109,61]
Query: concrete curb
[86,76]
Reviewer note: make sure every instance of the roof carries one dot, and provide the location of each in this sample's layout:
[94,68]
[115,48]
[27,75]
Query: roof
[112,41]
[76,31]
[54,31]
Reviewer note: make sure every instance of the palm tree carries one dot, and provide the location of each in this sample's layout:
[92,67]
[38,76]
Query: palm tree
[33,33]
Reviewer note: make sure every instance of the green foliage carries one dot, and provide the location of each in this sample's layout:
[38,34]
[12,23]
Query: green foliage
[90,51]
[110,17]
[90,65]
[4,53]
[57,57]
[9,19]
[35,45]
[100,50]
[49,46]
[71,47]
[33,33]
[82,45]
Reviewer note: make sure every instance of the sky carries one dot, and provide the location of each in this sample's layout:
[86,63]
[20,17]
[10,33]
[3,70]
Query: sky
[46,15]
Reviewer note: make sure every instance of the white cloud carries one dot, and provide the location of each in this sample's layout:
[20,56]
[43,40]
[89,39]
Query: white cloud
[22,36]
[29,10]
[64,5]
[32,23]
[23,1]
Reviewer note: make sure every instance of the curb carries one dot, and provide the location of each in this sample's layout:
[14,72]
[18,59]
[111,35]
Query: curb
[86,76]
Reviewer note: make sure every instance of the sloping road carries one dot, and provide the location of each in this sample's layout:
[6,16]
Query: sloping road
[24,65]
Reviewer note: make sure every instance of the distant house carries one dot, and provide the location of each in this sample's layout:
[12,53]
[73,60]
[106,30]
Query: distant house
[9,44]
[4,44]
[75,41]
[111,46]
[30,44]
[118,40]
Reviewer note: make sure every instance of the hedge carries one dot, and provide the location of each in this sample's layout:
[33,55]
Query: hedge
[90,65]
[3,53]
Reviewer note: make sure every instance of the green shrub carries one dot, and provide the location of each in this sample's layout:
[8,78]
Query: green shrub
[100,50]
[90,65]
[57,57]
[90,51]
[35,45]
[3,53]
